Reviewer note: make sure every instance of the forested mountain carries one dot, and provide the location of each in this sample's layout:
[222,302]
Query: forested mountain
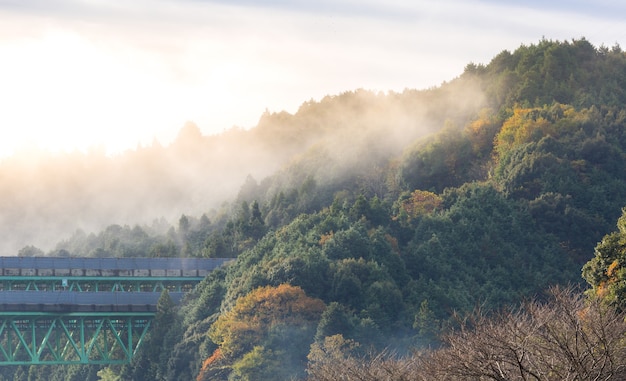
[374,216]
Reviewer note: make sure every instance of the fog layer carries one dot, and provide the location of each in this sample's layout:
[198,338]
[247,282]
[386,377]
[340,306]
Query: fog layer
[45,197]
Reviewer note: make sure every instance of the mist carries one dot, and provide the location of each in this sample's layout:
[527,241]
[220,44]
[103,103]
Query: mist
[98,71]
[46,197]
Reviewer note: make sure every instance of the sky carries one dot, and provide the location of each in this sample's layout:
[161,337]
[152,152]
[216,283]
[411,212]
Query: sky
[116,74]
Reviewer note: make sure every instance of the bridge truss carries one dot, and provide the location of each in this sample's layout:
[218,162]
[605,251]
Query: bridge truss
[60,311]
[53,338]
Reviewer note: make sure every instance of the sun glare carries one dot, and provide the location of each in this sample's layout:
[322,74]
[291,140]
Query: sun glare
[119,74]
[66,93]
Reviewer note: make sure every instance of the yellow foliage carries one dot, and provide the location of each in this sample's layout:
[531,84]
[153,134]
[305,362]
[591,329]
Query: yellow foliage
[254,314]
[612,267]
[531,124]
[477,126]
[482,130]
[421,202]
[520,127]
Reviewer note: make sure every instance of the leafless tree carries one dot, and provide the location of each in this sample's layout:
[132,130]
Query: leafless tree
[566,338]
[334,360]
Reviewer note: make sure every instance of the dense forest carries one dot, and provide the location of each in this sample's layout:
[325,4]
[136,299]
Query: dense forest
[418,233]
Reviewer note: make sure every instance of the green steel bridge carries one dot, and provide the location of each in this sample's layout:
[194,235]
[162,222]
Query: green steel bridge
[59,311]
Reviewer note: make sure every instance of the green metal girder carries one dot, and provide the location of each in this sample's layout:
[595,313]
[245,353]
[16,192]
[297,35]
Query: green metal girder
[38,338]
[95,284]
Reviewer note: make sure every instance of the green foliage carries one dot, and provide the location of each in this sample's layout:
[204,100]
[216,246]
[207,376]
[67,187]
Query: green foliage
[397,211]
[495,243]
[262,365]
[113,241]
[442,161]
[427,325]
[205,299]
[151,362]
[107,374]
[336,319]
[566,163]
[606,271]
[556,71]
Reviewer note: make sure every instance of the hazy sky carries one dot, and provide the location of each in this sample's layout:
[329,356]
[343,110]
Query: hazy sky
[81,73]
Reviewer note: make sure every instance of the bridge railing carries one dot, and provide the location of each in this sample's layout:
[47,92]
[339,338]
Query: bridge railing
[108,267]
[104,274]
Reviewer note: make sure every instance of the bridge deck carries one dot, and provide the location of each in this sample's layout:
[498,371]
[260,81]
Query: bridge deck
[66,301]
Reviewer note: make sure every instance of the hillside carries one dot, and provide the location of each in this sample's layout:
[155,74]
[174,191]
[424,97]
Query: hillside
[383,213]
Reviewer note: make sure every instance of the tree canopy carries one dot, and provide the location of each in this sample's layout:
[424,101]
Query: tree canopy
[383,217]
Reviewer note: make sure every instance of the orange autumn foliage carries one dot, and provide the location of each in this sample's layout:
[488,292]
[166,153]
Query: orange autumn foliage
[253,315]
[325,237]
[206,364]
